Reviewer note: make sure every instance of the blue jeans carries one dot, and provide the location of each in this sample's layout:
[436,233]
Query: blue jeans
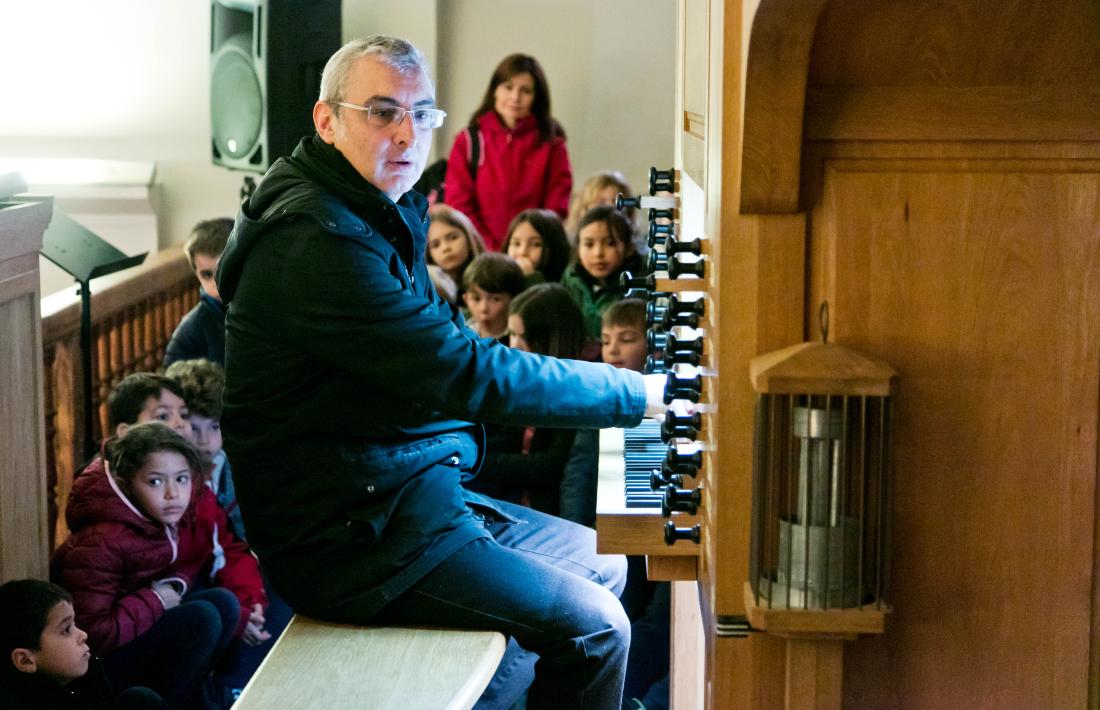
[540,581]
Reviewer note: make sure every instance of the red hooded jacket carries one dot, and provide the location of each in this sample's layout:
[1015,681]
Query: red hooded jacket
[516,171]
[115,553]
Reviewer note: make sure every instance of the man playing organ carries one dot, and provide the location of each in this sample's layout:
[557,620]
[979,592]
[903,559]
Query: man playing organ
[354,395]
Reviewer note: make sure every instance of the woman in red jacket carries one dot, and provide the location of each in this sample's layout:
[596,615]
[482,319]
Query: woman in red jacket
[512,156]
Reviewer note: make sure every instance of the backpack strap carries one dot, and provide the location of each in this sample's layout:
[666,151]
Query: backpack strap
[473,133]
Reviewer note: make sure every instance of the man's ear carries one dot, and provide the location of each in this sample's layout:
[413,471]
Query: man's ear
[324,120]
[24,660]
[121,429]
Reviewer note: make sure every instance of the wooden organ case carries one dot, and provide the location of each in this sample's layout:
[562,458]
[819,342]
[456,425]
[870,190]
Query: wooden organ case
[932,171]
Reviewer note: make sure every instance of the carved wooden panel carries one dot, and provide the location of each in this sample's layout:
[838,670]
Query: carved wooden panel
[980,282]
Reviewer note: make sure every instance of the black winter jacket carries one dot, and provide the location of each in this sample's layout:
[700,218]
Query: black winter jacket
[352,387]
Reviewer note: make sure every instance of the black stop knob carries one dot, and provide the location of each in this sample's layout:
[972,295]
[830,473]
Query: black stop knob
[680,461]
[658,261]
[694,345]
[623,201]
[658,480]
[671,358]
[689,388]
[678,500]
[669,470]
[662,180]
[677,426]
[660,234]
[632,285]
[686,312]
[655,311]
[674,534]
[687,246]
[677,268]
[655,340]
[654,365]
[655,213]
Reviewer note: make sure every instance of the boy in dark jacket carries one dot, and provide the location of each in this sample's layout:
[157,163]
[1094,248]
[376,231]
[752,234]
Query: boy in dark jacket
[201,333]
[48,663]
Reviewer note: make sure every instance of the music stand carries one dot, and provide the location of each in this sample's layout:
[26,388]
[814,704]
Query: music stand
[84,256]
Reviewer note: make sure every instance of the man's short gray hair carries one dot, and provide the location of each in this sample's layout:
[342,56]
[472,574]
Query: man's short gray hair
[394,52]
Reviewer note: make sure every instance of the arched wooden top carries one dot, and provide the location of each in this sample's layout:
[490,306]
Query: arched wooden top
[776,67]
[911,70]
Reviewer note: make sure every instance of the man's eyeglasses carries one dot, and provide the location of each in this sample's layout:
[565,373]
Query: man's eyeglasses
[382,116]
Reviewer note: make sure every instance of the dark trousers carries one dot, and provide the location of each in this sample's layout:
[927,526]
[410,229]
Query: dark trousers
[138,699]
[648,665]
[540,581]
[174,657]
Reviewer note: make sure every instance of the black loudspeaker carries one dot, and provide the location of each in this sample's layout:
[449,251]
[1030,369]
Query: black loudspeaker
[266,58]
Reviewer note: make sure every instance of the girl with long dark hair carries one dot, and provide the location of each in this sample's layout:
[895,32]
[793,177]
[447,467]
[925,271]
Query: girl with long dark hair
[512,155]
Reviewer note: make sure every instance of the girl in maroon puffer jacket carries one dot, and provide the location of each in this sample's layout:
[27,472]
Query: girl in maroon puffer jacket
[148,538]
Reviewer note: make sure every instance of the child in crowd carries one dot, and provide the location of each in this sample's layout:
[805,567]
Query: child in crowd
[202,383]
[490,283]
[622,334]
[528,465]
[646,602]
[453,242]
[148,543]
[148,397]
[201,333]
[536,240]
[600,189]
[605,249]
[46,663]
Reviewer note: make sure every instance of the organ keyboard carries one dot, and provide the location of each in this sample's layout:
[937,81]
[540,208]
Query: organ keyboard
[628,510]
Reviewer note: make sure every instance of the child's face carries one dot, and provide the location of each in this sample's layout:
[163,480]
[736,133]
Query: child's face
[525,243]
[607,196]
[516,334]
[162,487]
[206,435]
[205,268]
[598,252]
[167,409]
[448,246]
[63,653]
[490,310]
[624,346]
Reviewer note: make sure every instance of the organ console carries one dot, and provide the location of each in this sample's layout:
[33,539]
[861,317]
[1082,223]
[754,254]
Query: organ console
[933,173]
[652,463]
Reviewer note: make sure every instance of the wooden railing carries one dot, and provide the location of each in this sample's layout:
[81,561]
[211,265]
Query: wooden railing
[133,315]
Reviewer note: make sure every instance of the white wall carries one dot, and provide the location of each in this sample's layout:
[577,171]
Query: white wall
[610,65]
[117,79]
[128,79]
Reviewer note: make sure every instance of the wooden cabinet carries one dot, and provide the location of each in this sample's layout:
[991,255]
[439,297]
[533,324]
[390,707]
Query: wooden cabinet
[933,172]
[23,526]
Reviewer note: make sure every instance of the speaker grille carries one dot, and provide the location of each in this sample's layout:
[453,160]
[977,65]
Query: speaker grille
[236,99]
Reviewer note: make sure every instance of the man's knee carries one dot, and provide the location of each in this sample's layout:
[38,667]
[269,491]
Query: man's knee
[612,571]
[606,616]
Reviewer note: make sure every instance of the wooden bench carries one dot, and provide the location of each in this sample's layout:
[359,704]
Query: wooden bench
[316,664]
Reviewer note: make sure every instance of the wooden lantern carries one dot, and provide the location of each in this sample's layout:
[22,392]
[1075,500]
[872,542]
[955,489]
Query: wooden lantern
[820,492]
